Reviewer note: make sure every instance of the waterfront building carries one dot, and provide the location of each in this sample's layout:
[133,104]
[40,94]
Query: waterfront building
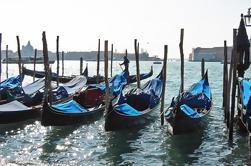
[214,54]
[27,50]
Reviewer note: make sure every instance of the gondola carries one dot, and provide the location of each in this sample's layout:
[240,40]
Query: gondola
[85,106]
[244,104]
[61,79]
[90,80]
[133,109]
[29,105]
[41,74]
[133,78]
[187,112]
[32,94]
[16,111]
[23,93]
[11,83]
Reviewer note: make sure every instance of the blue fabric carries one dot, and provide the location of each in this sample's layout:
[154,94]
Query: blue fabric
[201,87]
[153,87]
[116,83]
[60,93]
[69,106]
[127,109]
[195,101]
[138,100]
[246,94]
[11,82]
[190,112]
[246,91]
[198,96]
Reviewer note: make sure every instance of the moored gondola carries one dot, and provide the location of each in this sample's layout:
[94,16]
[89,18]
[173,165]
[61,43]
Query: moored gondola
[11,83]
[87,105]
[244,104]
[90,80]
[16,111]
[20,93]
[29,105]
[187,112]
[134,108]
[41,74]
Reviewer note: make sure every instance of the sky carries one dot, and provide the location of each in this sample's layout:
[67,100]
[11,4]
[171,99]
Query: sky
[155,23]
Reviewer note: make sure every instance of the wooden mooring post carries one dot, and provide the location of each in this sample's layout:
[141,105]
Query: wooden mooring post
[202,67]
[7,61]
[164,85]
[225,81]
[34,65]
[181,61]
[98,59]
[106,76]
[19,56]
[111,59]
[229,84]
[234,81]
[57,45]
[62,63]
[81,66]
[46,67]
[136,48]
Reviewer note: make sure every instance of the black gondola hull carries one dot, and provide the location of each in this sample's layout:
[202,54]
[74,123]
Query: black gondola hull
[180,123]
[118,121]
[18,116]
[52,117]
[90,80]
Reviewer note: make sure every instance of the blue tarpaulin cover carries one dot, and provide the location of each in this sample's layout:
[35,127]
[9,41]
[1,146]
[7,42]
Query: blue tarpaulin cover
[198,96]
[246,91]
[190,112]
[116,83]
[11,82]
[138,100]
[246,94]
[70,106]
[127,109]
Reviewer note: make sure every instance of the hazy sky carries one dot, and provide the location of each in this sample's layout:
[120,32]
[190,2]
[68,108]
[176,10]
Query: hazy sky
[80,23]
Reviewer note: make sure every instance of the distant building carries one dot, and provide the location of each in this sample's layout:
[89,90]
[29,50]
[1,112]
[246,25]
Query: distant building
[92,56]
[215,54]
[27,50]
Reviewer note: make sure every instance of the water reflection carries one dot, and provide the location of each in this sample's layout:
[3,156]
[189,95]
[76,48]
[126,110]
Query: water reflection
[181,148]
[54,141]
[119,143]
[15,128]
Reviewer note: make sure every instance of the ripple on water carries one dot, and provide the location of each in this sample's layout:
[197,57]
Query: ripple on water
[29,143]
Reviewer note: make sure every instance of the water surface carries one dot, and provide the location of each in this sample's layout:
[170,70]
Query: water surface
[29,143]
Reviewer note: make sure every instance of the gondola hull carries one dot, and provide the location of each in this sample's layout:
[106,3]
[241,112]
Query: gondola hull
[52,117]
[188,112]
[133,109]
[117,121]
[90,80]
[183,124]
[18,116]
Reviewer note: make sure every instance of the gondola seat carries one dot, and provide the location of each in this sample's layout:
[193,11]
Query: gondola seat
[70,106]
[127,109]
